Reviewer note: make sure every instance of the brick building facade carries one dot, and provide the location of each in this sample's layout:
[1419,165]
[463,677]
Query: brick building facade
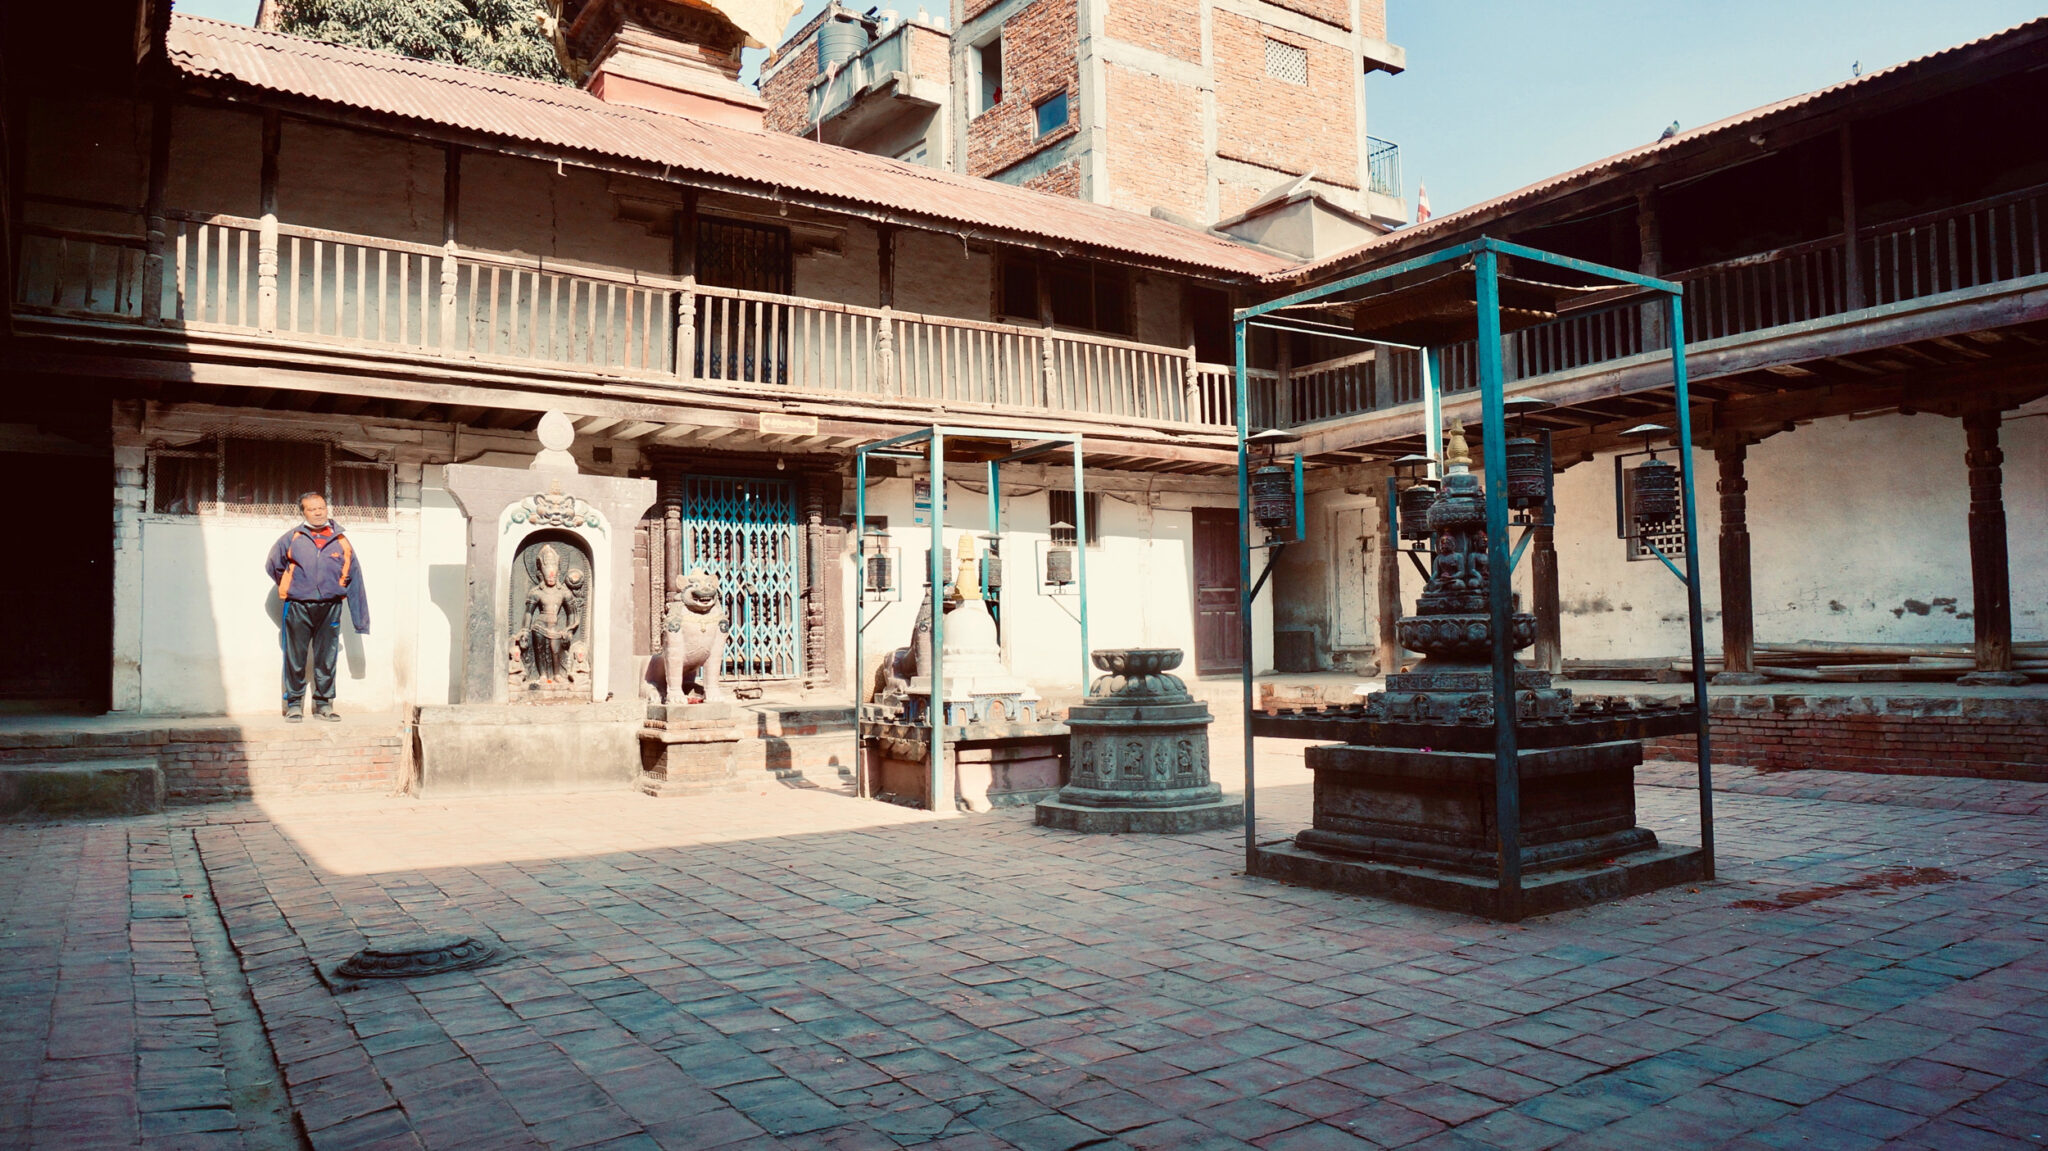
[1193,110]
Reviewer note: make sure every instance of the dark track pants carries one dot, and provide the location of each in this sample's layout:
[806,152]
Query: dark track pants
[311,627]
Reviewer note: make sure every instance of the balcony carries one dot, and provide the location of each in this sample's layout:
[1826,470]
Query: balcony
[883,88]
[1382,167]
[295,289]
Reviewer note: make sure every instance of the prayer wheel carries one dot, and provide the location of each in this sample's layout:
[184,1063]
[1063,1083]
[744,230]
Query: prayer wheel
[1273,498]
[1528,473]
[1656,492]
[880,573]
[1415,501]
[1059,565]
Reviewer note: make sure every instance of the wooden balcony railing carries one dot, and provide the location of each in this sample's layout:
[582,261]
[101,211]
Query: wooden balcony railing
[232,274]
[1969,246]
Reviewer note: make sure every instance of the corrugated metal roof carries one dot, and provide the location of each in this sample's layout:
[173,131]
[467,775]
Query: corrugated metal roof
[1442,227]
[556,116]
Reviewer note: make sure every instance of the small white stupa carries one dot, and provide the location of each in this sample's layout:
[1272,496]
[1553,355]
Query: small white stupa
[972,659]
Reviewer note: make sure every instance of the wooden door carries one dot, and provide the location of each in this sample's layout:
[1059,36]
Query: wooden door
[1219,636]
[1353,575]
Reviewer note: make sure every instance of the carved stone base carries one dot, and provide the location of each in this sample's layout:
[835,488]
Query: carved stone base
[688,749]
[1437,808]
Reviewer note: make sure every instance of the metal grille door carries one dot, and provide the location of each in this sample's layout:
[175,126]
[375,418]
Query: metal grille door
[744,532]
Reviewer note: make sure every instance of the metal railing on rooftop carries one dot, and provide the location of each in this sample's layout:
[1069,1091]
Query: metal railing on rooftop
[1382,167]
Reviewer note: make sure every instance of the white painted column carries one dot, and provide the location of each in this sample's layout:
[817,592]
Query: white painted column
[131,479]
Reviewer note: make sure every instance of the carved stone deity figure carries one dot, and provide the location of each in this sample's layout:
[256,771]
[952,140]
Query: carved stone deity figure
[693,639]
[553,617]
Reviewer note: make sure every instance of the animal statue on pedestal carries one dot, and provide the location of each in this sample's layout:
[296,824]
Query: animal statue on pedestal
[693,639]
[899,667]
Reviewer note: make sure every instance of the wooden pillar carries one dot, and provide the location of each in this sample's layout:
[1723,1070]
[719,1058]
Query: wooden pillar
[1990,581]
[266,237]
[683,265]
[1650,262]
[885,331]
[811,540]
[1738,613]
[1388,656]
[451,202]
[1543,591]
[1852,263]
[155,232]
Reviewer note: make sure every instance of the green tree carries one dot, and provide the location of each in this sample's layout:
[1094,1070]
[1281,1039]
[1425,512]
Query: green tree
[510,36]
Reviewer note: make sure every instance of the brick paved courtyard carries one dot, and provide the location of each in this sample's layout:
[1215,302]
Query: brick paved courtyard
[802,969]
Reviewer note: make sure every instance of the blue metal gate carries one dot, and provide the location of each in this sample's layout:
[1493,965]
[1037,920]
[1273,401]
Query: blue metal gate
[744,532]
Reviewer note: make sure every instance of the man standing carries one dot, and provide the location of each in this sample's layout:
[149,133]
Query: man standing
[316,569]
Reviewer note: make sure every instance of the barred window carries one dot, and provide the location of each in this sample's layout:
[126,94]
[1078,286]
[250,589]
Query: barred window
[1286,62]
[246,476]
[1060,506]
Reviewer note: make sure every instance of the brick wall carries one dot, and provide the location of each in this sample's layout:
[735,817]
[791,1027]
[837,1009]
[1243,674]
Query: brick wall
[1980,738]
[214,761]
[1169,27]
[1155,154]
[1336,12]
[1275,124]
[1063,180]
[788,92]
[1040,56]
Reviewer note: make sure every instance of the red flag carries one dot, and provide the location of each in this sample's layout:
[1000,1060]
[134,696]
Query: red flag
[1421,202]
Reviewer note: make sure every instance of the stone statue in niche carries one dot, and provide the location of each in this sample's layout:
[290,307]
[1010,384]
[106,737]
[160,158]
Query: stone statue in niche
[693,639]
[552,606]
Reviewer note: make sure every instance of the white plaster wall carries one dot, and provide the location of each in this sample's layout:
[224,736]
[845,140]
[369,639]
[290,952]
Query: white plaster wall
[210,619]
[1140,576]
[1859,531]
[443,583]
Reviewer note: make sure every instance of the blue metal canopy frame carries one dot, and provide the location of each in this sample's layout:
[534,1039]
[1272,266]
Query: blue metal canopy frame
[930,443]
[1485,255]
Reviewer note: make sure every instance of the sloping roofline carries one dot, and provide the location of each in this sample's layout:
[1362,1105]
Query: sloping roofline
[1821,101]
[540,118]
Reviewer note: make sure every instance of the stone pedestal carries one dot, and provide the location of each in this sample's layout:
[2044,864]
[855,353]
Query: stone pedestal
[689,749]
[987,765]
[1140,748]
[482,749]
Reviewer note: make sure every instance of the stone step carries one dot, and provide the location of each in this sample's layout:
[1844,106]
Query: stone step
[823,759]
[81,788]
[786,720]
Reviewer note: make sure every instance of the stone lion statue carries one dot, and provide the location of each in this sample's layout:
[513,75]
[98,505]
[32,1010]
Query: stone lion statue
[693,639]
[899,667]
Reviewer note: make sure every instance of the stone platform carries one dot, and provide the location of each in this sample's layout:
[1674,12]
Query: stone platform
[1542,892]
[211,759]
[81,788]
[987,764]
[1225,812]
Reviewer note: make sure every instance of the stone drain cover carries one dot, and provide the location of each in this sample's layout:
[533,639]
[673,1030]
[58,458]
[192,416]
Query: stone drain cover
[406,956]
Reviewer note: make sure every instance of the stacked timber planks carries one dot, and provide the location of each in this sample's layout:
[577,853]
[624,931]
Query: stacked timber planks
[1828,662]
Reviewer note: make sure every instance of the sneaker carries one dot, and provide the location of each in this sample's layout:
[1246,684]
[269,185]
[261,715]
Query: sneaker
[294,713]
[326,713]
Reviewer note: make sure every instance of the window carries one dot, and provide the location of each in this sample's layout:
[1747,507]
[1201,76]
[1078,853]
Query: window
[988,61]
[1019,288]
[1287,62]
[245,476]
[1060,510]
[1084,294]
[1052,114]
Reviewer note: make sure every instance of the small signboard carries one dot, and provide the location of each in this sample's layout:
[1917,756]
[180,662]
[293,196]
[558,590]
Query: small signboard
[921,502]
[783,424]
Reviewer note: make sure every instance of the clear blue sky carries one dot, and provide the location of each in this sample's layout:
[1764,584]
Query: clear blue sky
[1502,93]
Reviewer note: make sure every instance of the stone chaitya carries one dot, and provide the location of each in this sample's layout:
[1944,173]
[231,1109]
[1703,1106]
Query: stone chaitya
[1140,752]
[998,750]
[1406,802]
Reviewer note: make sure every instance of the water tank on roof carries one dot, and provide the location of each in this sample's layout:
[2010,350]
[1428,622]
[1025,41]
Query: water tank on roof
[840,41]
